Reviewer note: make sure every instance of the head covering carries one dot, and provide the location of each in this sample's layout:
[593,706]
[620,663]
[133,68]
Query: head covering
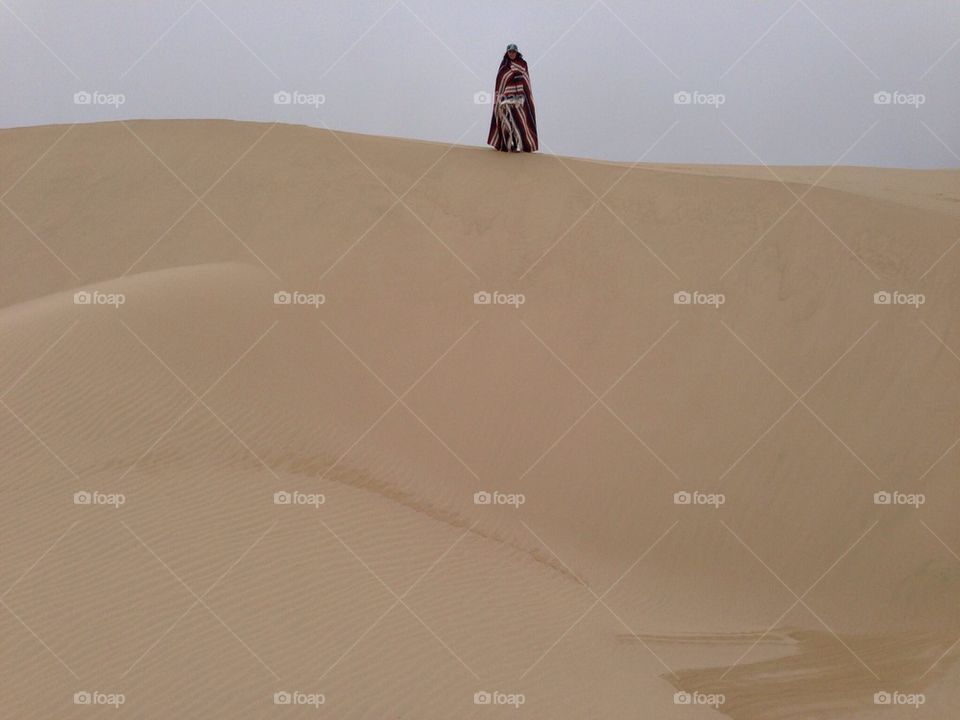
[511,46]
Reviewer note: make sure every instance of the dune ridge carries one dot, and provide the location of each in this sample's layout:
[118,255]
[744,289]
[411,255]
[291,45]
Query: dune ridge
[398,398]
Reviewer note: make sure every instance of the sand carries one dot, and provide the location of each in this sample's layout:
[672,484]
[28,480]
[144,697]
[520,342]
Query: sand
[583,397]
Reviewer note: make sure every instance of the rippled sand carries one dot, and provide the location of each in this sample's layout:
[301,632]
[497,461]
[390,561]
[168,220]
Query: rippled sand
[183,397]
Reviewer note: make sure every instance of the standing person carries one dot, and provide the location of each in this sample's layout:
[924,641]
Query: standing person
[513,127]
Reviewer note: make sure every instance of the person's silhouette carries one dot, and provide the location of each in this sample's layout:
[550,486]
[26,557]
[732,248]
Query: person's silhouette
[513,127]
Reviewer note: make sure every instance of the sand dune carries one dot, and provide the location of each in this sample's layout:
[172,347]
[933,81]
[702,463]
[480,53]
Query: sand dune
[185,389]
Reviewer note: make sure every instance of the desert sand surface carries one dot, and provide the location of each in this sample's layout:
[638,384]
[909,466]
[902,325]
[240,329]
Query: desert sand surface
[183,396]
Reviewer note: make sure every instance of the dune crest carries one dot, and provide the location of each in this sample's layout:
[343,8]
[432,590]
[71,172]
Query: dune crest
[585,432]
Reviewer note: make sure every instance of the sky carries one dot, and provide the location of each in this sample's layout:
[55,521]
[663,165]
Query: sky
[796,82]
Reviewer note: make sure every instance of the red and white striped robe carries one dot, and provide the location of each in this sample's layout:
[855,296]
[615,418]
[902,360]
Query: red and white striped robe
[514,121]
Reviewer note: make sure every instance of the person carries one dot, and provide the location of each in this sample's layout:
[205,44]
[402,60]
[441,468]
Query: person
[513,127]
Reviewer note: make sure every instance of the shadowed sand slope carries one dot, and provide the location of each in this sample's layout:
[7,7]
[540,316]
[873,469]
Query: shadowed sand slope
[515,463]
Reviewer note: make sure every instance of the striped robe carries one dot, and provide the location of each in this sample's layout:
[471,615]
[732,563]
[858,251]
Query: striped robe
[514,122]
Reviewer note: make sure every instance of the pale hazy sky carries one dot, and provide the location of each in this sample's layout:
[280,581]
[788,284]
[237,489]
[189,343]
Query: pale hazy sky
[798,77]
